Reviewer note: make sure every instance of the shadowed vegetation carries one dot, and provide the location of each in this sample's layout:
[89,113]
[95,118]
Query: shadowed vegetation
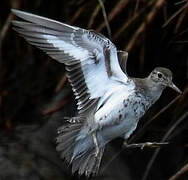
[35,94]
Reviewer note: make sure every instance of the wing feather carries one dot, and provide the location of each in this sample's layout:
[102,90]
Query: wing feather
[90,58]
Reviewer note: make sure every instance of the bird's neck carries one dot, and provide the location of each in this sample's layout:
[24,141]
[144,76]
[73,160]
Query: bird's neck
[150,89]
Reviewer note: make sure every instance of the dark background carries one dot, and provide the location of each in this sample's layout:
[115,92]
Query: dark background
[35,94]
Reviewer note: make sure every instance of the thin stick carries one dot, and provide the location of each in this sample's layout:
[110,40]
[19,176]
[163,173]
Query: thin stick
[180,42]
[142,27]
[180,20]
[126,25]
[180,2]
[117,9]
[171,129]
[61,83]
[93,16]
[181,172]
[77,14]
[136,6]
[105,18]
[6,26]
[174,15]
[2,36]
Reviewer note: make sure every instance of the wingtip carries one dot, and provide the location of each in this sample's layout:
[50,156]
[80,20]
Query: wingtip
[15,11]
[12,10]
[19,13]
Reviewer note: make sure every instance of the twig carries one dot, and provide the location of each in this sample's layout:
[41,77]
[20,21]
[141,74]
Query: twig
[165,12]
[118,8]
[178,35]
[180,20]
[77,14]
[93,16]
[146,144]
[2,36]
[5,28]
[61,83]
[148,20]
[180,42]
[181,33]
[136,6]
[138,145]
[56,107]
[105,18]
[14,4]
[180,2]
[126,25]
[59,100]
[181,172]
[171,129]
[179,130]
[175,14]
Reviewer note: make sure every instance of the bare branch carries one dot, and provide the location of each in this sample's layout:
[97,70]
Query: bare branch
[127,23]
[175,14]
[105,18]
[93,16]
[118,8]
[181,172]
[142,27]
[171,129]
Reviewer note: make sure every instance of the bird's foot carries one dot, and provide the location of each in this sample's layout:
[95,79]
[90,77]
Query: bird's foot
[146,144]
[96,143]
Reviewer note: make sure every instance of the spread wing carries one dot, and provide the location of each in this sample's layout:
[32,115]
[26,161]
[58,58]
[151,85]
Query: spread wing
[90,58]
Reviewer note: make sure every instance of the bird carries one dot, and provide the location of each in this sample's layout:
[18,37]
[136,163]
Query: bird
[110,103]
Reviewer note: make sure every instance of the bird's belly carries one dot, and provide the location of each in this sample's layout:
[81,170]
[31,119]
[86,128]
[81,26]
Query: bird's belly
[113,109]
[125,117]
[127,125]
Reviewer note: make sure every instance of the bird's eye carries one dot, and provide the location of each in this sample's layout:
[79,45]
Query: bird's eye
[160,75]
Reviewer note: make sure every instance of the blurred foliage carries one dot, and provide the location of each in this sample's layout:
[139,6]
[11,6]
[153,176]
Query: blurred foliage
[35,94]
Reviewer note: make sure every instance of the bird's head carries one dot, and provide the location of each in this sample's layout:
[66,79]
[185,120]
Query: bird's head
[163,77]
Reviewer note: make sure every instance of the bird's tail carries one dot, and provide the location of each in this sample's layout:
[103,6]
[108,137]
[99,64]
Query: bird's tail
[80,152]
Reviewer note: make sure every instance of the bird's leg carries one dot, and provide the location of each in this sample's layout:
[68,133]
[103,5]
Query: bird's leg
[146,144]
[94,134]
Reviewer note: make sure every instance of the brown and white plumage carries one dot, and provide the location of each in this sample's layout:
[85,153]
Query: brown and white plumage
[110,103]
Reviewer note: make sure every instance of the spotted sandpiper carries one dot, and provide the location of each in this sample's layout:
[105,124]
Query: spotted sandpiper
[110,103]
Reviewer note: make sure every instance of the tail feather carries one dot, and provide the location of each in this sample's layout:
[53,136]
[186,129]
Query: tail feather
[79,152]
[84,163]
[67,137]
[88,164]
[66,140]
[97,164]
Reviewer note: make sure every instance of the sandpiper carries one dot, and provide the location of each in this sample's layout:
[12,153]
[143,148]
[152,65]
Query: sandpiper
[110,103]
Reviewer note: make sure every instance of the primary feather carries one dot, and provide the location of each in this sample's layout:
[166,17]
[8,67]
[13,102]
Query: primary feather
[85,54]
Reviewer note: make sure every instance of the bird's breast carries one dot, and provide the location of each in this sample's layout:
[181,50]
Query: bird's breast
[123,115]
[111,107]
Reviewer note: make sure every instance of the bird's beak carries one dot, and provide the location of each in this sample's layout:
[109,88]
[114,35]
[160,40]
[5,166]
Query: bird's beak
[173,86]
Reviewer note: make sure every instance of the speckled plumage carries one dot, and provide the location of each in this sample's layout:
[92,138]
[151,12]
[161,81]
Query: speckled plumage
[110,103]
